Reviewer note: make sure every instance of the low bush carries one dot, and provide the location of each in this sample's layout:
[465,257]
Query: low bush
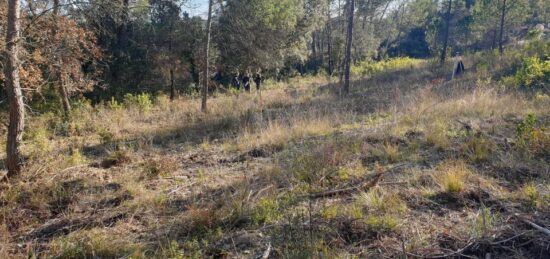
[533,73]
[142,102]
[531,137]
[370,68]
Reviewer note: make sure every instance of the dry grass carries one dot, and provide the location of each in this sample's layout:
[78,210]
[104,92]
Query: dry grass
[189,184]
[452,176]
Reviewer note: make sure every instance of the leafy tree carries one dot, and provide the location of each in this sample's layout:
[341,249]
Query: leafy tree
[264,33]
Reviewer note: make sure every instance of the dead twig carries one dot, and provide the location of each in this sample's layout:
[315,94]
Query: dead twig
[362,186]
[508,239]
[535,226]
[267,252]
[457,252]
[348,190]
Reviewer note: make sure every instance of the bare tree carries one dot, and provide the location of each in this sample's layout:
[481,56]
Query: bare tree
[349,41]
[205,75]
[13,87]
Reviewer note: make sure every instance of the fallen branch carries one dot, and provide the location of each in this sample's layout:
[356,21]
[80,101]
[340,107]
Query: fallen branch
[393,183]
[65,226]
[509,239]
[71,168]
[362,186]
[267,252]
[535,226]
[457,252]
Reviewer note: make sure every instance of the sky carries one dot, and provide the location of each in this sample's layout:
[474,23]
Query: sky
[196,7]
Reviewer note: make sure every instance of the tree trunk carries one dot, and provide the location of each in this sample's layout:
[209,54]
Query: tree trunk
[61,87]
[329,41]
[172,85]
[351,5]
[123,30]
[170,47]
[501,36]
[313,45]
[446,33]
[63,93]
[206,59]
[494,40]
[13,88]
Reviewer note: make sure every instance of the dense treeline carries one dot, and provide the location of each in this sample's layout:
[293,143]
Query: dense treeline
[103,49]
[116,47]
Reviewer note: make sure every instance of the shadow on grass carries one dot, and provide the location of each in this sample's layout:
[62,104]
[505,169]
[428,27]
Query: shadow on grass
[367,96]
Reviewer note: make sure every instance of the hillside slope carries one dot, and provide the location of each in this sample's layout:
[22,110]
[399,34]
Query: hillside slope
[408,165]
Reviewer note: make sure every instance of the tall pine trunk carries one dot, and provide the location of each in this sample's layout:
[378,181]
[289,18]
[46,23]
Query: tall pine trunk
[170,48]
[61,87]
[13,87]
[206,59]
[446,33]
[494,39]
[349,41]
[501,35]
[329,41]
[123,30]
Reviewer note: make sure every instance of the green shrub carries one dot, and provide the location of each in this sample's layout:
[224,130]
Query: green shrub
[106,135]
[266,211]
[114,104]
[484,221]
[38,138]
[369,68]
[524,129]
[75,158]
[532,138]
[531,195]
[173,251]
[385,210]
[534,72]
[141,101]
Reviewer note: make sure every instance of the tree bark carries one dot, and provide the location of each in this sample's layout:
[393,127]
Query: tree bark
[446,33]
[494,39]
[205,80]
[501,35]
[314,44]
[347,62]
[63,93]
[123,30]
[170,47]
[13,87]
[329,41]
[61,88]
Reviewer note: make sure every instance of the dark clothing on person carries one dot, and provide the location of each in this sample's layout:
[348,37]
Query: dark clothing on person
[246,83]
[459,68]
[258,81]
[236,82]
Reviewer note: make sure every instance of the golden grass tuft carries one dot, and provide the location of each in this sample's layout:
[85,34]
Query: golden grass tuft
[452,176]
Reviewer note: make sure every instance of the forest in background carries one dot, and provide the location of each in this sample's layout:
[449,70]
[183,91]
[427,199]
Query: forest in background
[103,49]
